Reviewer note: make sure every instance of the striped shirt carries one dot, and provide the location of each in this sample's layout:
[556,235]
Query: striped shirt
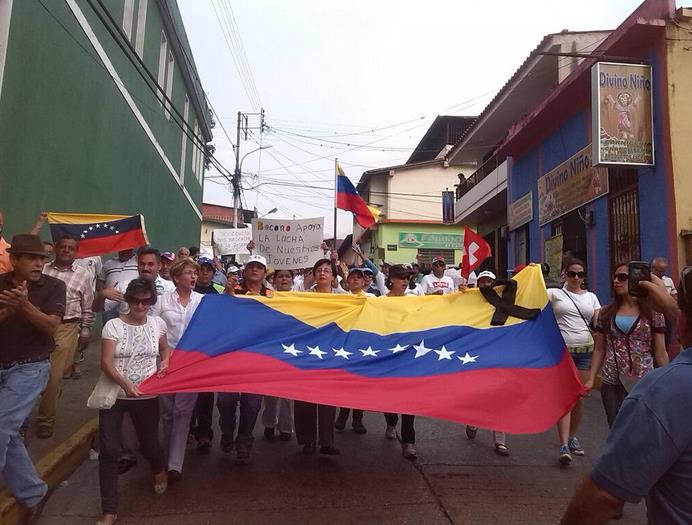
[115,271]
[80,294]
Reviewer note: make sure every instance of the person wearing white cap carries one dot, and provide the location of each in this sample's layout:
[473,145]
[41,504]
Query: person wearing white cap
[250,404]
[485,279]
[437,283]
[232,280]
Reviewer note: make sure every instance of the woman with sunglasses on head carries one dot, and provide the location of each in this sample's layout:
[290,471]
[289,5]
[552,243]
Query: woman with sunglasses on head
[130,347]
[630,342]
[575,310]
[312,419]
[398,285]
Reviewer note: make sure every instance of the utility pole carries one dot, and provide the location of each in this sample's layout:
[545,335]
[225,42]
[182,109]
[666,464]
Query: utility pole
[237,174]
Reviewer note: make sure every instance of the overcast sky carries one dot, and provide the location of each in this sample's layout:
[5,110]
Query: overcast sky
[327,73]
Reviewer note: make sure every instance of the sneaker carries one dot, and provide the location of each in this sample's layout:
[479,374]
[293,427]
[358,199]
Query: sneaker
[408,450]
[575,446]
[390,433]
[501,449]
[340,423]
[565,456]
[227,444]
[471,432]
[358,427]
[204,445]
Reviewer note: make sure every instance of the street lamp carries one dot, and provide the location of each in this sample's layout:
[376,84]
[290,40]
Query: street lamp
[236,180]
[273,210]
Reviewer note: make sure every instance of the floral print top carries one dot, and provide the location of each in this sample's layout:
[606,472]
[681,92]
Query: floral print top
[629,354]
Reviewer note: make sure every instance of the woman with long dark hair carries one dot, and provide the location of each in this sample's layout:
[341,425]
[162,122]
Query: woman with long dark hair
[630,342]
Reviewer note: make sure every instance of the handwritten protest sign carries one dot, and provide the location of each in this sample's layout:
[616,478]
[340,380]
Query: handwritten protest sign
[288,244]
[232,241]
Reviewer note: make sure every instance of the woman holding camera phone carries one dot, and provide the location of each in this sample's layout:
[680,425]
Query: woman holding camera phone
[630,342]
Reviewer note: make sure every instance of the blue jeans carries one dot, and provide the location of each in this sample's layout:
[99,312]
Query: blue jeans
[20,386]
[249,408]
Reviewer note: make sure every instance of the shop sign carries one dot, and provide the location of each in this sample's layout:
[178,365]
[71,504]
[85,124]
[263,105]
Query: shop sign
[621,114]
[520,211]
[553,256]
[570,185]
[444,241]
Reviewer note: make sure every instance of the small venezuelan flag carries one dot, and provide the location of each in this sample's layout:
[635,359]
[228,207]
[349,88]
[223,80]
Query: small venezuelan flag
[443,357]
[99,234]
[347,198]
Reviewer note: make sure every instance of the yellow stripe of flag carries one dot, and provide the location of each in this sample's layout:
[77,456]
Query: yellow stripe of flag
[81,218]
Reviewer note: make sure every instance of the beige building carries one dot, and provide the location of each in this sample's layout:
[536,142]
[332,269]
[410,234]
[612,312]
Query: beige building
[217,217]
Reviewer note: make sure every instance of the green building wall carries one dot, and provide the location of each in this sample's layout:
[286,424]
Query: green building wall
[70,142]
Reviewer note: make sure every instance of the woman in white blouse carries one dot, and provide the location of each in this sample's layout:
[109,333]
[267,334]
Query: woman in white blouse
[130,347]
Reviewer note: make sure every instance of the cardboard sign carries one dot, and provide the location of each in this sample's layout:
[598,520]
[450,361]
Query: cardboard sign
[289,245]
[232,241]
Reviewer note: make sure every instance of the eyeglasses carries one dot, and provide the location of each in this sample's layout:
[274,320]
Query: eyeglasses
[621,277]
[143,302]
[324,269]
[571,274]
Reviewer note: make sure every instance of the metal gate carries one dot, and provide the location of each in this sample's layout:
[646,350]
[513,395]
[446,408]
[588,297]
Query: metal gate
[623,206]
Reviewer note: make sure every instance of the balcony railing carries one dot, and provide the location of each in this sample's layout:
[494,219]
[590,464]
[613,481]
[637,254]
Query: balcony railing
[482,172]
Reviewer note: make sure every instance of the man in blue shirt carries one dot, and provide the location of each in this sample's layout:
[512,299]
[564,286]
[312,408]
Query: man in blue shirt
[649,450]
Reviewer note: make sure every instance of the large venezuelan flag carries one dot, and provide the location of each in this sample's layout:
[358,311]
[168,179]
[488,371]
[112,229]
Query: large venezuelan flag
[99,234]
[430,356]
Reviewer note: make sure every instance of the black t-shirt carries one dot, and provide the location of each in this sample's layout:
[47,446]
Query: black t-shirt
[19,338]
[204,290]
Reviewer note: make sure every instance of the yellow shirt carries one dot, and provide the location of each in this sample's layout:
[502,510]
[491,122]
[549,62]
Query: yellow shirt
[5,265]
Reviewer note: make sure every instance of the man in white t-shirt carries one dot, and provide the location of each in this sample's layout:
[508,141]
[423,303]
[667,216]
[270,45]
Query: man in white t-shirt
[437,283]
[658,267]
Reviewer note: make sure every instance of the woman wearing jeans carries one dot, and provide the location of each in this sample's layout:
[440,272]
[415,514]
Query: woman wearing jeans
[575,310]
[131,344]
[630,342]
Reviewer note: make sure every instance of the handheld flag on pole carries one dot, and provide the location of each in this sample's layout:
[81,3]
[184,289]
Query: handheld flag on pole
[347,198]
[476,250]
[99,234]
[495,362]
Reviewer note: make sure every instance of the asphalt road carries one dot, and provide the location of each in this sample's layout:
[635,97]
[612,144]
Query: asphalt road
[454,480]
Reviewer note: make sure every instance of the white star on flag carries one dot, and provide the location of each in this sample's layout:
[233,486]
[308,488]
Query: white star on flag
[369,352]
[116,231]
[315,350]
[98,225]
[421,350]
[83,236]
[398,348]
[444,354]
[292,350]
[341,353]
[91,227]
[465,359]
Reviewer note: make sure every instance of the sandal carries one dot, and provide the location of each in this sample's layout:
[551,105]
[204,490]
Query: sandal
[107,519]
[160,482]
[501,449]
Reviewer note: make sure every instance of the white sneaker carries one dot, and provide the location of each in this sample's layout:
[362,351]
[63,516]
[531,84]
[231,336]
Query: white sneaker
[408,450]
[390,433]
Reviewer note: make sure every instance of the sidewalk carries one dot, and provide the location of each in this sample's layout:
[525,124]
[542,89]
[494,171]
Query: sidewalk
[57,456]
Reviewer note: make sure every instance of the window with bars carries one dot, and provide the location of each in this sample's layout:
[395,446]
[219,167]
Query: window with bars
[623,211]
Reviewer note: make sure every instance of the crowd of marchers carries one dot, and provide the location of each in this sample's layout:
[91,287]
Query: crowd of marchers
[48,301]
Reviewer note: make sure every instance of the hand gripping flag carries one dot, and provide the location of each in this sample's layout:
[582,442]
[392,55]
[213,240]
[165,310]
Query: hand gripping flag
[99,234]
[347,198]
[476,250]
[460,356]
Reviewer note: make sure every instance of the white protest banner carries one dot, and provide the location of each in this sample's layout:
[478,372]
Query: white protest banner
[289,244]
[232,241]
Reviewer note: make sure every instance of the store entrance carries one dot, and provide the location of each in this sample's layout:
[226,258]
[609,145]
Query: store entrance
[572,227]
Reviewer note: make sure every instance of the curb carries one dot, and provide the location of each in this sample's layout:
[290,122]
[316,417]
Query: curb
[53,468]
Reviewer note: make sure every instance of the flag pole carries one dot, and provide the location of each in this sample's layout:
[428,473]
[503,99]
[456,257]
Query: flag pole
[336,186]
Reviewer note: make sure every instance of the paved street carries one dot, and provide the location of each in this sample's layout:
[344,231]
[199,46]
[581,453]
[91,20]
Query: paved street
[453,481]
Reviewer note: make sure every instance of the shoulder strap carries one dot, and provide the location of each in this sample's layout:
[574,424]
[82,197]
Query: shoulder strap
[577,307]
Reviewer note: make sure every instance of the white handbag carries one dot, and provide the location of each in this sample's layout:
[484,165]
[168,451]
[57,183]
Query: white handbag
[106,391]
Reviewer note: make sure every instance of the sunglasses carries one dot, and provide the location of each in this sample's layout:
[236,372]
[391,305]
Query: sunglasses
[621,277]
[438,264]
[143,302]
[571,274]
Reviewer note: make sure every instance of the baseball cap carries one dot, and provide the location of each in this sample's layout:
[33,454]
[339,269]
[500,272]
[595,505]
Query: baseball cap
[486,273]
[256,259]
[232,269]
[205,260]
[437,259]
[170,256]
[367,270]
[355,269]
